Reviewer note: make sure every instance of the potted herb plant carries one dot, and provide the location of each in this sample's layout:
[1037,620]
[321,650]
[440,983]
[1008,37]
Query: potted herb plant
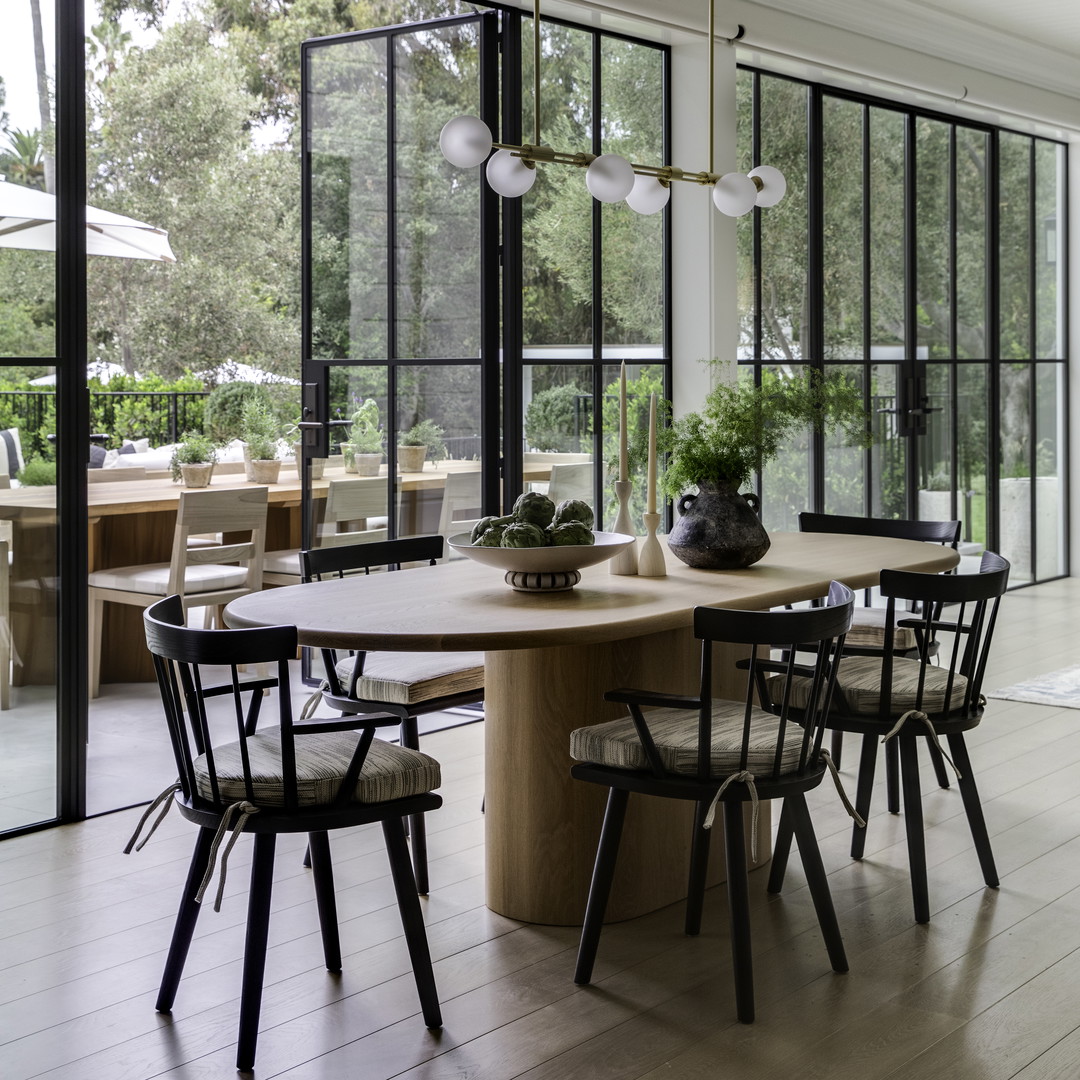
[741,428]
[422,441]
[363,448]
[260,434]
[193,460]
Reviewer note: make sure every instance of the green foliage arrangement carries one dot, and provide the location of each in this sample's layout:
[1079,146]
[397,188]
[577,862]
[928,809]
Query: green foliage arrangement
[37,472]
[550,418]
[259,429]
[425,433]
[743,426]
[365,434]
[194,448]
[224,413]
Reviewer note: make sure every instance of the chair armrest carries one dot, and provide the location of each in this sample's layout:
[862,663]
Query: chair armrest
[344,723]
[652,699]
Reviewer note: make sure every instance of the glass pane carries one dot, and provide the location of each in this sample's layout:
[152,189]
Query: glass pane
[631,87]
[557,212]
[842,151]
[936,481]
[933,228]
[1049,250]
[972,409]
[783,228]
[1014,196]
[1050,401]
[886,230]
[347,108]
[888,455]
[744,226]
[1015,470]
[437,224]
[785,481]
[845,468]
[971,229]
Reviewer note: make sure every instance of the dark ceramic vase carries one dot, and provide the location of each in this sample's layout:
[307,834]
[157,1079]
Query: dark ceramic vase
[719,529]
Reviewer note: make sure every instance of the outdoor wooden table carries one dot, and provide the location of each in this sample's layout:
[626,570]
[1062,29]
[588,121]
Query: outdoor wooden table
[549,658]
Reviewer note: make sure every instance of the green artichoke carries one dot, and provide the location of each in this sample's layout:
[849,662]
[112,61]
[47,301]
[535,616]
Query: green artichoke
[522,535]
[490,537]
[480,528]
[534,509]
[572,532]
[574,510]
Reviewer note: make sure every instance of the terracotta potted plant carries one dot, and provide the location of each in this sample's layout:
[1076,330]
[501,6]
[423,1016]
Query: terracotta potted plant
[741,428]
[193,460]
[363,449]
[259,432]
[422,441]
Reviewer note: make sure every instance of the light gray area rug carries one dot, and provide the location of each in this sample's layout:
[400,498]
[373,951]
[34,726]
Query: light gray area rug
[1061,688]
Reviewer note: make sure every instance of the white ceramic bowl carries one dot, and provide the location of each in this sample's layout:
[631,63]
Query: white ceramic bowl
[546,568]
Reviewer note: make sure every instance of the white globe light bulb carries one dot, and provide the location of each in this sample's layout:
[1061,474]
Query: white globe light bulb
[509,175]
[734,194]
[465,141]
[773,185]
[648,195]
[610,178]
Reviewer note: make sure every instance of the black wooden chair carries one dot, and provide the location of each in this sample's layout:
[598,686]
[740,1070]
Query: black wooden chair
[716,751]
[867,634]
[268,780]
[394,688]
[892,698]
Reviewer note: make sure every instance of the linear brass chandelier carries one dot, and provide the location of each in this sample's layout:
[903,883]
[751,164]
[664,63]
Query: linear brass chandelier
[467,141]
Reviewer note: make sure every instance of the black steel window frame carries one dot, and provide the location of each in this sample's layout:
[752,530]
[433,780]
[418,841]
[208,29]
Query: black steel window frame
[813,355]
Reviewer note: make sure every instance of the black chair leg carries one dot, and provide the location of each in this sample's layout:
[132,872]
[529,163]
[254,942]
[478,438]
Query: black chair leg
[325,898]
[412,920]
[739,905]
[607,853]
[409,736]
[892,777]
[973,806]
[258,927]
[837,747]
[863,791]
[940,770]
[781,851]
[699,869]
[186,917]
[913,824]
[816,879]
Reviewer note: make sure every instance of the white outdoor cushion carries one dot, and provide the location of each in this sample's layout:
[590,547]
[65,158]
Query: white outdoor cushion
[154,578]
[868,631]
[858,683]
[389,772]
[409,678]
[157,458]
[11,456]
[675,732]
[282,562]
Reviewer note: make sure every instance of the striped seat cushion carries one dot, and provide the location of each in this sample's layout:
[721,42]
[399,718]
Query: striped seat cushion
[154,578]
[410,678]
[858,685]
[675,732]
[389,772]
[868,631]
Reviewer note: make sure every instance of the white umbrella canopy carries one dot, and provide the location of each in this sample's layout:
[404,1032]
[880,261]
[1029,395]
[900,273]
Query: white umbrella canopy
[28,221]
[234,371]
[101,369]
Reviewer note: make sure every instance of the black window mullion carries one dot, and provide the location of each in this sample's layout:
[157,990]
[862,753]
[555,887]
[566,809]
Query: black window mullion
[993,336]
[954,410]
[814,347]
[868,496]
[1032,365]
[597,275]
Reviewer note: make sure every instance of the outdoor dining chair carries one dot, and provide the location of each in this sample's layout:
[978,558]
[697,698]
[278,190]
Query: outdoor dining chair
[394,688]
[901,700]
[293,777]
[721,754]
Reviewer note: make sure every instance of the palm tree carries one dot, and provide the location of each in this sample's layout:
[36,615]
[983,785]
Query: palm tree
[24,159]
[43,92]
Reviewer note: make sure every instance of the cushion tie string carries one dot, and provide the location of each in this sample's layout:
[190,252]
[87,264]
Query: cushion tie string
[245,810]
[312,702]
[165,797]
[916,714]
[852,812]
[746,778]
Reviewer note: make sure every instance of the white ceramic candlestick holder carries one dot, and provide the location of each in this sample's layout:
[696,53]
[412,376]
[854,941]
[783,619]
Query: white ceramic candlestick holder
[626,562]
[651,557]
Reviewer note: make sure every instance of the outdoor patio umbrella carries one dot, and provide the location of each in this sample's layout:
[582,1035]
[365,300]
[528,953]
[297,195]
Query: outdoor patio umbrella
[28,220]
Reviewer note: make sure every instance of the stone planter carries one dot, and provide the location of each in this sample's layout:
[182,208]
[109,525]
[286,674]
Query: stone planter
[248,472]
[411,458]
[197,475]
[368,464]
[317,463]
[718,529]
[265,471]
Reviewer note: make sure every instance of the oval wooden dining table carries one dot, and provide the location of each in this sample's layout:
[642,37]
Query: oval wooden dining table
[549,658]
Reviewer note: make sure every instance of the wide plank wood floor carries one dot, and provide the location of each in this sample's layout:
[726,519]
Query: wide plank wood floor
[986,991]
